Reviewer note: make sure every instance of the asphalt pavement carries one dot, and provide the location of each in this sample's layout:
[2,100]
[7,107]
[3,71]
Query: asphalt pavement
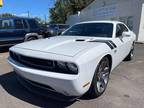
[125,89]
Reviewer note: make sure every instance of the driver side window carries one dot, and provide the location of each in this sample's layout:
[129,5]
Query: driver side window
[120,28]
[118,31]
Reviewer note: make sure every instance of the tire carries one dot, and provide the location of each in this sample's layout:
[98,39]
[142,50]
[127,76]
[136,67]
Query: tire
[100,79]
[31,38]
[130,55]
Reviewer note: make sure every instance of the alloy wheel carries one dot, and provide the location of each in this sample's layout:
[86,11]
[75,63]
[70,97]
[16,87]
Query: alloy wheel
[103,75]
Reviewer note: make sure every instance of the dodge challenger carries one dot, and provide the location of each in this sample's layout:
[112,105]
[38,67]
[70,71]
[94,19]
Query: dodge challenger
[77,62]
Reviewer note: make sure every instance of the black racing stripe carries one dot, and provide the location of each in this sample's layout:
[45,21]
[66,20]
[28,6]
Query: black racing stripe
[109,45]
[113,43]
[104,41]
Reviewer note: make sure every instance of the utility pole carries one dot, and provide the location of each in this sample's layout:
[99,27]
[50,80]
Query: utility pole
[45,18]
[28,13]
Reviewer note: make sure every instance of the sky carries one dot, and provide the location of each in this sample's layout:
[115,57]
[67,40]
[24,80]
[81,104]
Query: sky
[38,8]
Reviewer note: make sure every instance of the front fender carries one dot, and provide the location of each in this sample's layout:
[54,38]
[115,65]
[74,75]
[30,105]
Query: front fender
[89,61]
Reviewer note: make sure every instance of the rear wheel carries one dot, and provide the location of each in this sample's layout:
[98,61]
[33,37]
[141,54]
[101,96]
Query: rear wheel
[101,78]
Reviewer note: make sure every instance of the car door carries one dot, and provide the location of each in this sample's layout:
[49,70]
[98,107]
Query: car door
[127,40]
[122,44]
[20,29]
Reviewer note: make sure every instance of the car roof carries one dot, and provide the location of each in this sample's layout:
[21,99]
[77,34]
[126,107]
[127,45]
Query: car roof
[101,21]
[13,18]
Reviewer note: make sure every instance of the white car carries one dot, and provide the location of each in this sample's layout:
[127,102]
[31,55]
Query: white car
[77,62]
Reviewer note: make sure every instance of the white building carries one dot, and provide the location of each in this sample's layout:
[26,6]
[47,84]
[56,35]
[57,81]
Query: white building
[131,12]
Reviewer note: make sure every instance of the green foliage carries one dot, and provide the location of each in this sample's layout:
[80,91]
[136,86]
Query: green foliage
[65,8]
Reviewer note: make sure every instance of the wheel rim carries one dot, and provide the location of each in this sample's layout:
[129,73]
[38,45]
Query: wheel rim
[132,52]
[103,75]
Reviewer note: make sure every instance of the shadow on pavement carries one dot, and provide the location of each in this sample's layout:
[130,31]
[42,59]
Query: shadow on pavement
[11,85]
[4,49]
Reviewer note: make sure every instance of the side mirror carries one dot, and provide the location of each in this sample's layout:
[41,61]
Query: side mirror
[126,34]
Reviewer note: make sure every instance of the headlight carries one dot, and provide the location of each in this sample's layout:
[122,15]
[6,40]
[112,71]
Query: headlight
[67,67]
[61,65]
[72,67]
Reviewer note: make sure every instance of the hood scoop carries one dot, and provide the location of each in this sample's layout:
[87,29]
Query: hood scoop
[80,40]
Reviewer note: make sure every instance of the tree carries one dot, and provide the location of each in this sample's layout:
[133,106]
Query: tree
[65,8]
[58,13]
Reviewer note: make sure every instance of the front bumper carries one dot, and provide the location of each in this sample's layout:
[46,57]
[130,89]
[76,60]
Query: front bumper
[43,90]
[68,85]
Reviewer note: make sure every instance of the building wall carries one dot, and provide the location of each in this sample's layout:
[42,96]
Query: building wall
[127,11]
[141,29]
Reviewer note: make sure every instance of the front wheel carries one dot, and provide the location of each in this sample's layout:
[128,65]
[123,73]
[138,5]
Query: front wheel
[131,54]
[100,79]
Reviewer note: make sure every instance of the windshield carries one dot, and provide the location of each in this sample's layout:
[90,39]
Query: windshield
[91,30]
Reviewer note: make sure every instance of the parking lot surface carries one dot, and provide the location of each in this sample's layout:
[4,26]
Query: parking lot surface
[125,89]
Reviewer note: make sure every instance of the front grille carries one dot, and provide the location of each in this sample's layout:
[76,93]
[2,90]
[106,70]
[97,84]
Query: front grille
[32,62]
[36,63]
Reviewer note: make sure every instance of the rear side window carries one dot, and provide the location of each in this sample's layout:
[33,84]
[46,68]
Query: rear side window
[19,24]
[33,24]
[6,24]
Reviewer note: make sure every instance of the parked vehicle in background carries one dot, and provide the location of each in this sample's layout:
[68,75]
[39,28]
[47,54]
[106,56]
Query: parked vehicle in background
[56,29]
[16,30]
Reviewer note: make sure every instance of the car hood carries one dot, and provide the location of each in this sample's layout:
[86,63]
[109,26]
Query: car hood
[62,45]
